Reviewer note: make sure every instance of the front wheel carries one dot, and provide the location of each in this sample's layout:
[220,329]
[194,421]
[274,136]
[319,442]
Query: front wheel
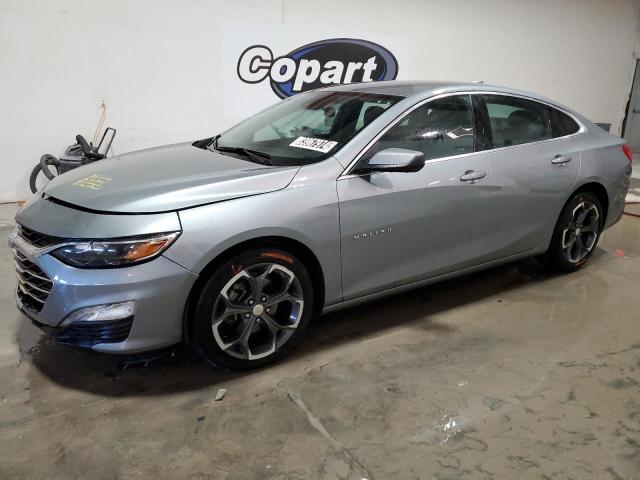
[253,309]
[576,234]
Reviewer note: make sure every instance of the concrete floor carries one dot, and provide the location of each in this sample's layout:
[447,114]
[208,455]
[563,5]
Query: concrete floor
[509,373]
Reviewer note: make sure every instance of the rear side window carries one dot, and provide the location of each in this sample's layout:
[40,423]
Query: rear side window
[515,121]
[439,128]
[561,123]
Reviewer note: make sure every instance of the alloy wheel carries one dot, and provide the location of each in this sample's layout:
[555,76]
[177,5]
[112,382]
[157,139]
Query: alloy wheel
[257,311]
[581,232]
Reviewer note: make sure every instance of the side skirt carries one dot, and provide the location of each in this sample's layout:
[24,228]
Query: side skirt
[427,281]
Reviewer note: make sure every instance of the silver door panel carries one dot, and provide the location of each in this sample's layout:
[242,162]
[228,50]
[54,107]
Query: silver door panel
[530,184]
[398,228]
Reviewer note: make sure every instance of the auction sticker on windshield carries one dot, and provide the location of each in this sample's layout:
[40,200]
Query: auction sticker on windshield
[317,144]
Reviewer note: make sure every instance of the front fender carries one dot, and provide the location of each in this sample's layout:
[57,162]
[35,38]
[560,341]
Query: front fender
[305,212]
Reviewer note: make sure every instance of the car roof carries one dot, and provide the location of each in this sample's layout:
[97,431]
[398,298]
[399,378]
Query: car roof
[419,90]
[400,88]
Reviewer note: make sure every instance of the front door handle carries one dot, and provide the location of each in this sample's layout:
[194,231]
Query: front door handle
[636,110]
[560,159]
[473,175]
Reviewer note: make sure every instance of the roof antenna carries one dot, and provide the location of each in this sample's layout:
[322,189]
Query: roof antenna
[478,81]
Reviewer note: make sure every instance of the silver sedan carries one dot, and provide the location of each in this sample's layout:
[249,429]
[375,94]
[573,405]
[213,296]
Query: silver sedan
[336,196]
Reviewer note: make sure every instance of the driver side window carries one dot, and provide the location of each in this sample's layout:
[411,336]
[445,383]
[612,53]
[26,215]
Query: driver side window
[440,128]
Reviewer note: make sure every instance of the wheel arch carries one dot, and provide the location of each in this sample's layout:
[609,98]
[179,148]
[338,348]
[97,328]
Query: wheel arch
[599,191]
[290,245]
[590,185]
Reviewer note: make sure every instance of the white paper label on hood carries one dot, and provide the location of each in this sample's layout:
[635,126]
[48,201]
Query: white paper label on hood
[317,144]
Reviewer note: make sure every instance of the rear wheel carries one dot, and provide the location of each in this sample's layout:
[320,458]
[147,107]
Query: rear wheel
[253,309]
[576,234]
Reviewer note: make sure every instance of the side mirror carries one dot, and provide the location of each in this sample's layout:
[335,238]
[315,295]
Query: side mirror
[394,160]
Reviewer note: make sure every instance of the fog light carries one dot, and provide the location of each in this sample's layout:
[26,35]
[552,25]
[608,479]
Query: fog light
[101,313]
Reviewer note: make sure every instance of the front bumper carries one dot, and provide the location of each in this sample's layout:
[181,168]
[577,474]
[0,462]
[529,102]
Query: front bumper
[159,288]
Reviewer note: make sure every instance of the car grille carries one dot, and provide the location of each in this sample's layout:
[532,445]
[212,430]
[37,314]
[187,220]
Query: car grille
[87,334]
[33,284]
[38,239]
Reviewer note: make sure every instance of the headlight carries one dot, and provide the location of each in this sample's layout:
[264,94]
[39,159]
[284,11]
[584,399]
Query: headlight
[118,252]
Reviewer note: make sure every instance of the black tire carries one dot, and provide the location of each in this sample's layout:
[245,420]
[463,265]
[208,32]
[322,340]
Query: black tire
[562,258]
[213,304]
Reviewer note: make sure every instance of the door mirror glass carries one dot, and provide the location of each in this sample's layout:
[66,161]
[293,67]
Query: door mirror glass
[394,160]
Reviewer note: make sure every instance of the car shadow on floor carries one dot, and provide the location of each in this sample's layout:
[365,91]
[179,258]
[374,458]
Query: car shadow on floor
[180,370]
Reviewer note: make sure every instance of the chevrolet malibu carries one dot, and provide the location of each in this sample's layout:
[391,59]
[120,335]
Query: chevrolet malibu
[235,243]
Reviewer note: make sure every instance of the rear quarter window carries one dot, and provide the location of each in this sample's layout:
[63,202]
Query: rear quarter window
[561,123]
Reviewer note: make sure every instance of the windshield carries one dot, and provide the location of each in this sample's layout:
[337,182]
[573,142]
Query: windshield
[303,129]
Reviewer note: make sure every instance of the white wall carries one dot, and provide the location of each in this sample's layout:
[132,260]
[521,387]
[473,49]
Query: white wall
[156,64]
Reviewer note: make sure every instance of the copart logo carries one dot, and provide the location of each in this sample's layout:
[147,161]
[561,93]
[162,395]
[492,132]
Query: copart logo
[318,64]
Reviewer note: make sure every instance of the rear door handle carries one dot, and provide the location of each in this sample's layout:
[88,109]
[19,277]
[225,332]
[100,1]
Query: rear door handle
[560,159]
[473,175]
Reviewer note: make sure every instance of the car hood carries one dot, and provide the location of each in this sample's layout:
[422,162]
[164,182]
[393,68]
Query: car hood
[165,178]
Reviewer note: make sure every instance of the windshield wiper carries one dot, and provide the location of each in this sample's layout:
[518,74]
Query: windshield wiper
[213,142]
[253,155]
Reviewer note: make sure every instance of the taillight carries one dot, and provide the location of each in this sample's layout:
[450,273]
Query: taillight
[626,149]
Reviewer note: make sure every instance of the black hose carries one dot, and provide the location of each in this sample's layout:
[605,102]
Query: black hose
[47,160]
[84,145]
[87,149]
[43,166]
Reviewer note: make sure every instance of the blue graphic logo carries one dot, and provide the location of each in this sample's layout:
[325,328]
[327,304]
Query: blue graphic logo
[318,64]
